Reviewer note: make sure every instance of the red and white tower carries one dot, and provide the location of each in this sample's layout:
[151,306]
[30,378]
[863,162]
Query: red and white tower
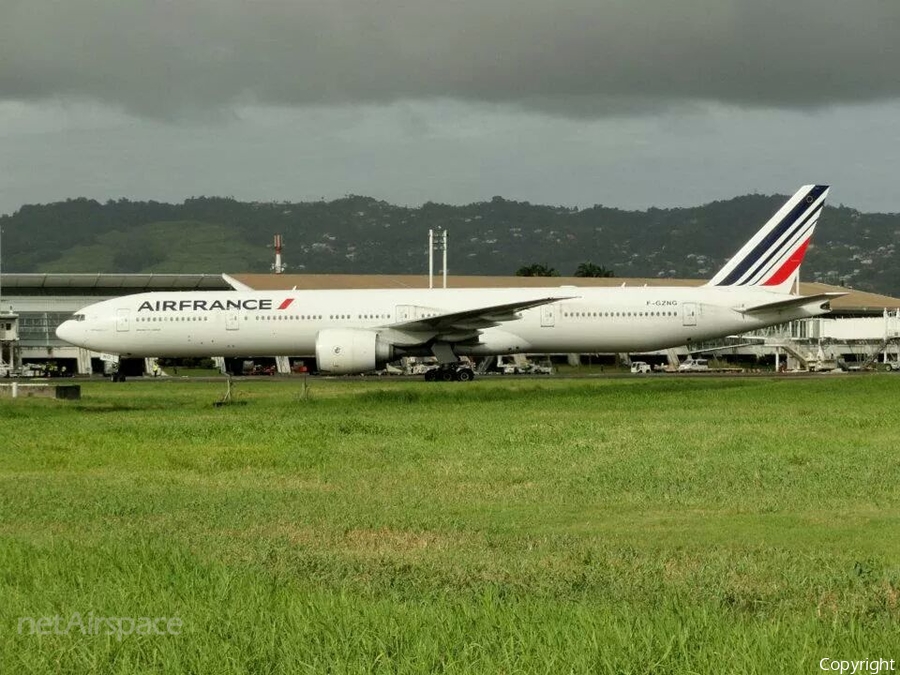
[278,267]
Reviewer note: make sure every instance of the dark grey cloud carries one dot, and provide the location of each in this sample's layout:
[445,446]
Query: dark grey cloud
[576,57]
[409,153]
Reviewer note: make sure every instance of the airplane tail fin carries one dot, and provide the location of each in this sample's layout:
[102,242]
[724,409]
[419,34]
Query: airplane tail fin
[772,258]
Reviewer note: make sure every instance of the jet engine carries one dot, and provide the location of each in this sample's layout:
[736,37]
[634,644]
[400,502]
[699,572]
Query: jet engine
[351,350]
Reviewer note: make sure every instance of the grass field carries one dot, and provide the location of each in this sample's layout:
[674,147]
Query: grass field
[665,525]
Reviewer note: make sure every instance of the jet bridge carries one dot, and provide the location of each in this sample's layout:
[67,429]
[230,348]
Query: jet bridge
[891,339]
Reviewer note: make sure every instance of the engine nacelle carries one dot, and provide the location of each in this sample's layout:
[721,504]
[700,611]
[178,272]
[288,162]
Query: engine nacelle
[351,350]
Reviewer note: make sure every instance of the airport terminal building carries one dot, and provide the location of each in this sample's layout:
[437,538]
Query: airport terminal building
[33,305]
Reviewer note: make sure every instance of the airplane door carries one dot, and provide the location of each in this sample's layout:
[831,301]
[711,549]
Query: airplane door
[548,316]
[689,313]
[232,321]
[405,312]
[123,320]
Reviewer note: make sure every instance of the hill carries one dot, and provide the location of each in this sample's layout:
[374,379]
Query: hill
[363,235]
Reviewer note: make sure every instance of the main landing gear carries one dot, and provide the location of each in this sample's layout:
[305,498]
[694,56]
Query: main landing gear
[450,372]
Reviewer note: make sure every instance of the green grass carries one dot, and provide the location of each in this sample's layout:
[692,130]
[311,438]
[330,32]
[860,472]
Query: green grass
[631,525]
[184,371]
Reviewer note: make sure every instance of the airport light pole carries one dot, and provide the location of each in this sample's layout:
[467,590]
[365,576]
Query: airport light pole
[430,258]
[443,245]
[445,258]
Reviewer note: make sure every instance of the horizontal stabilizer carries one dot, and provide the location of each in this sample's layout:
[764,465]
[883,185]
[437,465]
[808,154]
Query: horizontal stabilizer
[793,302]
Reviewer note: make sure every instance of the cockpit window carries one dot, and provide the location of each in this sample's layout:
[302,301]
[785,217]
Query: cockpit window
[78,317]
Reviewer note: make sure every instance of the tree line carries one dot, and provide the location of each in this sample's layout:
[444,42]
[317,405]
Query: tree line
[361,235]
[585,269]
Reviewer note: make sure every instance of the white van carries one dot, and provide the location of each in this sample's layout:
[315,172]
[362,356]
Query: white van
[640,367]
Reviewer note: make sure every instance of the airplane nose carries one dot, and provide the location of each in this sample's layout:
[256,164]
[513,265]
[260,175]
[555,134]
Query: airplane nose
[67,332]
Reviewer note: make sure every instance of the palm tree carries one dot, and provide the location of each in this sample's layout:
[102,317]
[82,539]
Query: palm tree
[536,270]
[589,269]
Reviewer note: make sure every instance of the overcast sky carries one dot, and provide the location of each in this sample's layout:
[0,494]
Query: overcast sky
[627,103]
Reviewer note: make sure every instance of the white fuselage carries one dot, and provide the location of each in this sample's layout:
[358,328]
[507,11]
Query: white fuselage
[286,323]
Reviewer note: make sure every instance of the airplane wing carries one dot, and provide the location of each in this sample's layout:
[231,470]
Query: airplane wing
[790,303]
[727,347]
[472,319]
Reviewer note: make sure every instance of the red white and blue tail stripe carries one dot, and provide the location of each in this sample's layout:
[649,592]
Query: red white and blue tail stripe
[772,257]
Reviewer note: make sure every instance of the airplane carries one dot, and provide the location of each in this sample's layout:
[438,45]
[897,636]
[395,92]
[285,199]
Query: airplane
[357,331]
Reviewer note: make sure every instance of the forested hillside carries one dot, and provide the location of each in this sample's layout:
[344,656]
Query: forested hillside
[363,235]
